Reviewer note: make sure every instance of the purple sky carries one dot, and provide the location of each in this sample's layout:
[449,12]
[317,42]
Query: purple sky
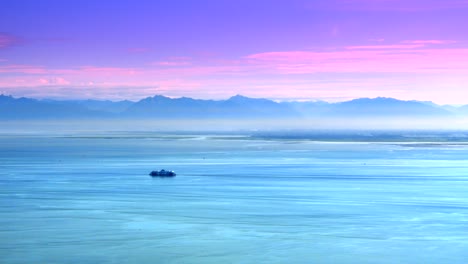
[330,50]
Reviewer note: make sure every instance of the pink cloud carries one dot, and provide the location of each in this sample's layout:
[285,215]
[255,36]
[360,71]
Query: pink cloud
[26,69]
[431,41]
[106,71]
[7,40]
[174,61]
[53,81]
[281,74]
[407,44]
[368,59]
[363,59]
[395,46]
[377,39]
[336,88]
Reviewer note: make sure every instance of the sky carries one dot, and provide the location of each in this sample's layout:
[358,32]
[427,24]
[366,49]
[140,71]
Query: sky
[332,50]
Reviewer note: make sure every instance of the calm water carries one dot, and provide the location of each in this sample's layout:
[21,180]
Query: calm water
[72,199]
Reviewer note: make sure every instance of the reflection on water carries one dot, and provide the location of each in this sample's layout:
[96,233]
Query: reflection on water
[89,199]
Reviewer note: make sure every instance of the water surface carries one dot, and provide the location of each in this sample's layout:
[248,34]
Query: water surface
[88,199]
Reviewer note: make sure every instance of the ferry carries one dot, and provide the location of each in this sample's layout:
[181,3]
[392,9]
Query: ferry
[162,173]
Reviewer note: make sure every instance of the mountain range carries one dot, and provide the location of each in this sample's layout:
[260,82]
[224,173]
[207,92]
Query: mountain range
[236,107]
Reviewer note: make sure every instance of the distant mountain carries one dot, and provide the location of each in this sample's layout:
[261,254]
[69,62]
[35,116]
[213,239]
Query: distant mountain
[463,109]
[236,107]
[383,106]
[367,107]
[460,110]
[106,106]
[25,108]
[310,108]
[161,106]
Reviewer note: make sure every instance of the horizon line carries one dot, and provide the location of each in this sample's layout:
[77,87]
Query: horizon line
[277,100]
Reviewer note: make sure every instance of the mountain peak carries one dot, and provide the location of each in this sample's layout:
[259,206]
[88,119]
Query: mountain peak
[3,96]
[376,99]
[239,97]
[158,96]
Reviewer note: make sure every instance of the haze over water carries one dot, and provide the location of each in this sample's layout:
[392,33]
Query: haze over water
[87,198]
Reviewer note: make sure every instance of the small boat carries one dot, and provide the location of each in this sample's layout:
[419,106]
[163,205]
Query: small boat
[162,173]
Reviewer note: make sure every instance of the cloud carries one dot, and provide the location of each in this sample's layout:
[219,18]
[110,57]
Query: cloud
[408,69]
[7,40]
[174,61]
[25,69]
[377,39]
[431,41]
[117,92]
[386,47]
[105,71]
[409,58]
[53,81]
[406,44]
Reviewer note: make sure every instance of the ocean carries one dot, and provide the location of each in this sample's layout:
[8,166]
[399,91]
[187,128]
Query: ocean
[88,198]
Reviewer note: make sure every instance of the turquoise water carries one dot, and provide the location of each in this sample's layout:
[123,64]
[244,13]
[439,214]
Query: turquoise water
[89,199]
